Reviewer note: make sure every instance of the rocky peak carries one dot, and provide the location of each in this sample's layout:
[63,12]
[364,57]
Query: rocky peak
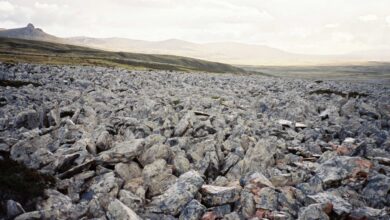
[30,26]
[30,32]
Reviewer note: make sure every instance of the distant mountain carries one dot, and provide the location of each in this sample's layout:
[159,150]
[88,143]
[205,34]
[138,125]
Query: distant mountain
[233,53]
[29,33]
[225,52]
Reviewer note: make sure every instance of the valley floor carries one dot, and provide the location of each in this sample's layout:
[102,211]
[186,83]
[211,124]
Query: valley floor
[120,144]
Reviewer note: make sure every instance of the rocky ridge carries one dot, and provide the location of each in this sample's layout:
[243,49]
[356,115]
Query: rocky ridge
[167,145]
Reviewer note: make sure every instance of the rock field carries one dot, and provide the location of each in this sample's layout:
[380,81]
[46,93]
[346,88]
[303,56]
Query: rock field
[162,145]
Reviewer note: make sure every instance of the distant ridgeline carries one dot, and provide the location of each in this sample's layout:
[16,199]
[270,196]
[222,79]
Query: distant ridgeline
[21,50]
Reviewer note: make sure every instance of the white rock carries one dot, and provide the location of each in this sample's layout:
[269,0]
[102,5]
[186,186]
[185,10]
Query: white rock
[349,140]
[285,123]
[300,125]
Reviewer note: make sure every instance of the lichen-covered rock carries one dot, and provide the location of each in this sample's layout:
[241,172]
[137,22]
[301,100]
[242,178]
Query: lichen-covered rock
[155,152]
[117,210]
[128,171]
[157,177]
[260,157]
[123,152]
[178,195]
[31,153]
[104,141]
[59,203]
[369,213]
[131,200]
[377,191]
[181,164]
[339,205]
[339,168]
[248,206]
[193,211]
[315,211]
[266,198]
[27,119]
[218,195]
[183,124]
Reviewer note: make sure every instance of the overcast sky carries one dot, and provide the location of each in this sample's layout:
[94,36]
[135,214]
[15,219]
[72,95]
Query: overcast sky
[304,26]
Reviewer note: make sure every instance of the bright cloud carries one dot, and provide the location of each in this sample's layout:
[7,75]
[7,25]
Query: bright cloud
[367,18]
[39,5]
[6,6]
[332,25]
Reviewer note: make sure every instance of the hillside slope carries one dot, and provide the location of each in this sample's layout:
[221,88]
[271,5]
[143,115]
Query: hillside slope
[48,52]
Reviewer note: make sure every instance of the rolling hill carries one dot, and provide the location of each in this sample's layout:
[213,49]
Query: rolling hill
[21,50]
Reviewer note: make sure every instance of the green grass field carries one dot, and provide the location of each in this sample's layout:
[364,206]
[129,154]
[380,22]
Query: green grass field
[18,50]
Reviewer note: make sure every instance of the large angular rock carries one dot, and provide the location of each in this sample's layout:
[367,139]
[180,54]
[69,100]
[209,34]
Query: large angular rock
[157,177]
[117,210]
[58,202]
[155,152]
[136,186]
[178,195]
[181,164]
[369,213]
[217,212]
[41,214]
[256,179]
[131,200]
[193,211]
[14,209]
[377,191]
[366,109]
[339,168]
[104,183]
[104,141]
[348,109]
[259,158]
[248,206]
[183,124]
[128,171]
[290,200]
[340,206]
[232,216]
[218,195]
[33,153]
[104,188]
[28,119]
[266,198]
[232,159]
[123,152]
[315,211]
